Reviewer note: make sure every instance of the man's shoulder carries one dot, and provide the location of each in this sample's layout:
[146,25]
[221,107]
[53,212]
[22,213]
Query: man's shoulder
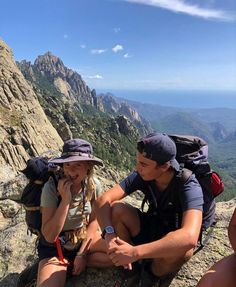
[133,182]
[186,178]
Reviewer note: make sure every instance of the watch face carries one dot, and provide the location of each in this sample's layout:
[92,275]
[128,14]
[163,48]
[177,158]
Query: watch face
[109,229]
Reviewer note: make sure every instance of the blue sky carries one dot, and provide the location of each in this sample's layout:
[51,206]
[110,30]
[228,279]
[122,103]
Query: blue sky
[133,44]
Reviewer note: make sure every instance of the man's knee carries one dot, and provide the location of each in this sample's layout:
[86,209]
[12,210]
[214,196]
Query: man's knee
[164,266]
[118,211]
[125,215]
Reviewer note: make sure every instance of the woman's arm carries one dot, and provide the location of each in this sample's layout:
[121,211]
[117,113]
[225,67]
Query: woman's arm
[53,219]
[92,228]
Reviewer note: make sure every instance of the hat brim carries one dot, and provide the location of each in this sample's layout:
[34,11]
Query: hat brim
[174,163]
[60,160]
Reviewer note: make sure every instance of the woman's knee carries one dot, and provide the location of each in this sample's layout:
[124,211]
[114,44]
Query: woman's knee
[51,273]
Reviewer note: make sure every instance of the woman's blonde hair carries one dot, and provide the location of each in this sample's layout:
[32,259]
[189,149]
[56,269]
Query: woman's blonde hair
[91,185]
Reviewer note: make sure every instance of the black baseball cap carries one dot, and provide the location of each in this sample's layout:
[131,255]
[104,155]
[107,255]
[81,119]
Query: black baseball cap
[160,148]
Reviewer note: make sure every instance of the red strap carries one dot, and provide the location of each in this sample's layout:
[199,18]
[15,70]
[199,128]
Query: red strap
[59,250]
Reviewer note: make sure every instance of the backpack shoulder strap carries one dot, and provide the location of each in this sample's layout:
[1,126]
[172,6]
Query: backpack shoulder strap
[149,196]
[184,175]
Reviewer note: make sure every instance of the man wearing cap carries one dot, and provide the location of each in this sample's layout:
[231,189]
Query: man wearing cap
[160,235]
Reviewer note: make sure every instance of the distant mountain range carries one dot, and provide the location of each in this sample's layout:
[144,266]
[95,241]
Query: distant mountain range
[113,125]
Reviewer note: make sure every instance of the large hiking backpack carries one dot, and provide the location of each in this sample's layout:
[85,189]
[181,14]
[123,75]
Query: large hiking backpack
[38,170]
[192,154]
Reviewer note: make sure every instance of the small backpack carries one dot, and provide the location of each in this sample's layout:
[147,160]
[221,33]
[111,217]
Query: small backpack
[37,170]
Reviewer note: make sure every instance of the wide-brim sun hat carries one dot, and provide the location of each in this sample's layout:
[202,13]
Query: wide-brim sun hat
[77,150]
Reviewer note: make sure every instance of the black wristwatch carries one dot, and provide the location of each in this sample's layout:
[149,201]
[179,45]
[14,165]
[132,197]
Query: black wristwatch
[107,230]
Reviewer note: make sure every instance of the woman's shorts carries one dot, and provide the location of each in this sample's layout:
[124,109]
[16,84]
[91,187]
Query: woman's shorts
[49,250]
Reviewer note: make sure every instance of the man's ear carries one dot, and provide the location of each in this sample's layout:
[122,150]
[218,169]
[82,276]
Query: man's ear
[165,166]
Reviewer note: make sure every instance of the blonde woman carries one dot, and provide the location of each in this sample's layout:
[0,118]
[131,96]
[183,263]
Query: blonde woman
[68,220]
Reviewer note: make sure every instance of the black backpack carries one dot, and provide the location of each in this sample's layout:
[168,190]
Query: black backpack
[37,170]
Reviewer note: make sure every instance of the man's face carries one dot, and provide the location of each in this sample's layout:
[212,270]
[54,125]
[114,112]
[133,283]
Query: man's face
[148,169]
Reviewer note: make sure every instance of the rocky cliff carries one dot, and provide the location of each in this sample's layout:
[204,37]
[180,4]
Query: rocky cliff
[72,87]
[25,130]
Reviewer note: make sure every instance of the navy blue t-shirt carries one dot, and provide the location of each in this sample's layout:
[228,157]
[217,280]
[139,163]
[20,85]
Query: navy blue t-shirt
[189,197]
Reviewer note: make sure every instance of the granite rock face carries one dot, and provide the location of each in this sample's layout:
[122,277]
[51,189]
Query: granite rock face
[24,128]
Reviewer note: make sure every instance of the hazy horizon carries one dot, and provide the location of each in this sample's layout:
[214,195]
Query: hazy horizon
[178,98]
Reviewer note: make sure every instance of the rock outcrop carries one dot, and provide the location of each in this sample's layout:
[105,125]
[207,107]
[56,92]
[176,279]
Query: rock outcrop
[24,128]
[112,105]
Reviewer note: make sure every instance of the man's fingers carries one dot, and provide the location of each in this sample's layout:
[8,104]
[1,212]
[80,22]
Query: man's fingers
[119,241]
[112,250]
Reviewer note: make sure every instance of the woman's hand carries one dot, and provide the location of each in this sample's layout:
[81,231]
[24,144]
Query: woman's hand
[64,188]
[80,263]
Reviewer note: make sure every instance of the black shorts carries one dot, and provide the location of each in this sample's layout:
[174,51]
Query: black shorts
[146,233]
[49,250]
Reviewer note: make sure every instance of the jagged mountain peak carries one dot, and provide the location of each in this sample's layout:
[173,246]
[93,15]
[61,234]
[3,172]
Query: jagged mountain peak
[51,65]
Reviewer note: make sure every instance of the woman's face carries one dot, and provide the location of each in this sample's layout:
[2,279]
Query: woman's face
[76,171]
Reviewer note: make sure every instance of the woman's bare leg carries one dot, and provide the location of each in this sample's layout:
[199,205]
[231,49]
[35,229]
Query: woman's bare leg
[51,273]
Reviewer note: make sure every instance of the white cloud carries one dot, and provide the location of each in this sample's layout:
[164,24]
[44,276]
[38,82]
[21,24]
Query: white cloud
[117,48]
[65,36]
[82,46]
[180,6]
[98,51]
[97,77]
[116,30]
[127,56]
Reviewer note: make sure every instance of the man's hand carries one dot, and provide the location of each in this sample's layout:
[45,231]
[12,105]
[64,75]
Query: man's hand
[110,240]
[123,254]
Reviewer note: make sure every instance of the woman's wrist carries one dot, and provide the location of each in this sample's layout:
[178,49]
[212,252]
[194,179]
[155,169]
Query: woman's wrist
[65,201]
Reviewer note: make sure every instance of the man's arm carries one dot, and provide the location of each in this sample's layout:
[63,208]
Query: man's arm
[103,205]
[232,231]
[175,243]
